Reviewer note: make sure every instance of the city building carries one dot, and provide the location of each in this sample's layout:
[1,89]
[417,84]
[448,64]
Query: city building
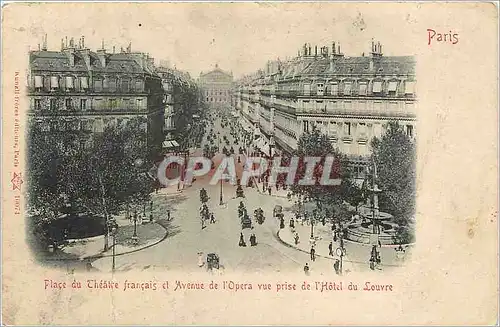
[180,93]
[82,91]
[350,99]
[216,87]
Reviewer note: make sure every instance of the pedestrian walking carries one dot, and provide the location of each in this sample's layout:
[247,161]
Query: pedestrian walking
[168,214]
[269,190]
[313,254]
[336,266]
[306,269]
[296,237]
[212,218]
[201,260]
[242,240]
[330,249]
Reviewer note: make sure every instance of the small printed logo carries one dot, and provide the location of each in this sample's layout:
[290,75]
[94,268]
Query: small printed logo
[17,181]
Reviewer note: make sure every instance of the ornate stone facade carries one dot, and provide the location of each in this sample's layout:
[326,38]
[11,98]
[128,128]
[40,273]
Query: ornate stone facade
[216,87]
[81,91]
[351,99]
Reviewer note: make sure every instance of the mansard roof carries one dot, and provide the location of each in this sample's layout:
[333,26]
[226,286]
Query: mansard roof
[57,61]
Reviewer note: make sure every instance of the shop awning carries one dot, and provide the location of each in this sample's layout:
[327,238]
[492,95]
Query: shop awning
[170,144]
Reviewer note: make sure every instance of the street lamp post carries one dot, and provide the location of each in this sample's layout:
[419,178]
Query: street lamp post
[221,200]
[113,231]
[135,239]
[313,218]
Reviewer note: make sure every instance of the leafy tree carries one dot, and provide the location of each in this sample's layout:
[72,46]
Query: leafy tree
[96,180]
[316,144]
[394,154]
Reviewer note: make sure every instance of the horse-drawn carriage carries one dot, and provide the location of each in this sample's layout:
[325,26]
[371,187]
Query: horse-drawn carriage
[277,211]
[213,261]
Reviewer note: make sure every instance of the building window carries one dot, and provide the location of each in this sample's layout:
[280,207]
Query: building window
[112,84]
[393,85]
[409,87]
[139,104]
[69,83]
[98,85]
[347,128]
[362,105]
[113,104]
[362,89]
[38,83]
[321,88]
[139,86]
[69,104]
[105,83]
[335,89]
[53,104]
[409,130]
[306,127]
[347,88]
[362,129]
[83,104]
[125,85]
[54,83]
[53,125]
[38,104]
[97,104]
[307,89]
[377,87]
[84,82]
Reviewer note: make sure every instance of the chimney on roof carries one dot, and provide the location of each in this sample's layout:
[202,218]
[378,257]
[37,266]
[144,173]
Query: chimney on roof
[376,49]
[129,48]
[83,42]
[44,46]
[72,43]
[101,54]
[113,49]
[38,46]
[315,50]
[70,53]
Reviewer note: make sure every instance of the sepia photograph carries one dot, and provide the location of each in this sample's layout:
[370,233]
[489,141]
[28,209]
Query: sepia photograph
[253,156]
[101,123]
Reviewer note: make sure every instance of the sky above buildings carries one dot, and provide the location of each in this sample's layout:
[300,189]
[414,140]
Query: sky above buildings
[238,37]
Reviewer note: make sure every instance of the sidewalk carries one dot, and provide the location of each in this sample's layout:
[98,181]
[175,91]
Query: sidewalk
[90,248]
[355,252]
[281,193]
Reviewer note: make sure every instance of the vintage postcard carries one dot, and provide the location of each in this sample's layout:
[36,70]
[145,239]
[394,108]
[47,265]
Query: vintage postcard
[253,163]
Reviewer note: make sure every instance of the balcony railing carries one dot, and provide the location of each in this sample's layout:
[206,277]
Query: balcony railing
[71,91]
[89,112]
